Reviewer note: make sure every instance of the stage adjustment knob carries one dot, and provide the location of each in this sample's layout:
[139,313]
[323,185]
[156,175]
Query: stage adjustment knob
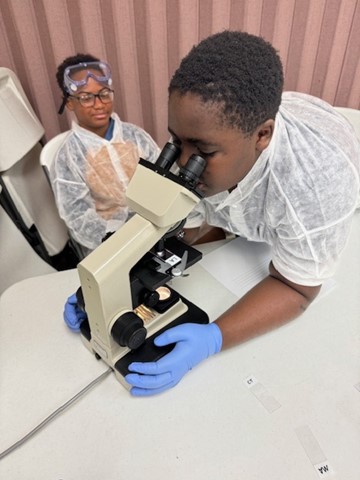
[129,331]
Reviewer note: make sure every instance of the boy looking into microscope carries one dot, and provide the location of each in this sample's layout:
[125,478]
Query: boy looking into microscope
[282,168]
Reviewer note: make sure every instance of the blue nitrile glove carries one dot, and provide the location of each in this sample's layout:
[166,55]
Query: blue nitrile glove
[73,315]
[194,343]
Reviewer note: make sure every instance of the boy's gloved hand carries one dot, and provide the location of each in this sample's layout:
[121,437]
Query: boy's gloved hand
[194,343]
[73,315]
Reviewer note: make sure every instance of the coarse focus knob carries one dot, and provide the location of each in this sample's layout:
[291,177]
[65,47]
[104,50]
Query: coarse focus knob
[129,331]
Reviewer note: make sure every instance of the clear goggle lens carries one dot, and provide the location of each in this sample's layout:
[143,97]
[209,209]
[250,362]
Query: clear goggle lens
[78,75]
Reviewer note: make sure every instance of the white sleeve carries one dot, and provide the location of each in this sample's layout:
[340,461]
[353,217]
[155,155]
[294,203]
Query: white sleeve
[196,217]
[147,147]
[312,195]
[312,259]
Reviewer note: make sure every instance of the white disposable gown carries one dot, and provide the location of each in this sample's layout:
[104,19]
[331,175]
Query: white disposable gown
[301,194]
[90,175]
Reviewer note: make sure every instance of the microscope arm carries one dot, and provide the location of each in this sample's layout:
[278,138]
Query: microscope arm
[104,276]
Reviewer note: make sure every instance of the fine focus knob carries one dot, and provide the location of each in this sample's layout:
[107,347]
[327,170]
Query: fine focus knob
[129,331]
[151,298]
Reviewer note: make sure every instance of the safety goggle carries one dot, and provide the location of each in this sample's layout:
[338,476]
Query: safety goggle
[78,75]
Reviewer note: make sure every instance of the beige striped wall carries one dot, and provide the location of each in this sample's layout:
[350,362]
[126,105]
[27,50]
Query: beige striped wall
[144,40]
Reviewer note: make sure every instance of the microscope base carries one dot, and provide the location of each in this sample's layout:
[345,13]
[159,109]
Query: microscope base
[148,352]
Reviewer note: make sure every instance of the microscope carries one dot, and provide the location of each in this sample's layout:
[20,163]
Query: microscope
[125,282]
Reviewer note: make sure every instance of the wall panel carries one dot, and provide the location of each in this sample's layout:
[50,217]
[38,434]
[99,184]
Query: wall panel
[144,41]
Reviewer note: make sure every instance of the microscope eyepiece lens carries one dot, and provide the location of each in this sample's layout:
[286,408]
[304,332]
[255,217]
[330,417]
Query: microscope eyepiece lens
[193,169]
[168,156]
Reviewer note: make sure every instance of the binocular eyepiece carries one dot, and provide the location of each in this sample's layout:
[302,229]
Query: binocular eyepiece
[190,172]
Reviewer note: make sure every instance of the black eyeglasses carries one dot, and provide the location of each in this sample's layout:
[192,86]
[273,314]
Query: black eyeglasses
[88,99]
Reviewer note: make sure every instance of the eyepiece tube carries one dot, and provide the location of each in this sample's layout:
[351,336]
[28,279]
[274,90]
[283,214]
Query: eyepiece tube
[193,169]
[168,156]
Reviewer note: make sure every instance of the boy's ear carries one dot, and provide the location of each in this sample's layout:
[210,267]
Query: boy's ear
[264,134]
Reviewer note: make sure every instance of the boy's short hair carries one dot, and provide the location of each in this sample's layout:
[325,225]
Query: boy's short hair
[68,62]
[240,72]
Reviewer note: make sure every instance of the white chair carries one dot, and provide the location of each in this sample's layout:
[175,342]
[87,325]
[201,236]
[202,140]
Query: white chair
[47,157]
[49,151]
[18,260]
[352,115]
[26,194]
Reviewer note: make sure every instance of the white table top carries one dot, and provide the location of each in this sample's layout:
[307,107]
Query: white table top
[300,418]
